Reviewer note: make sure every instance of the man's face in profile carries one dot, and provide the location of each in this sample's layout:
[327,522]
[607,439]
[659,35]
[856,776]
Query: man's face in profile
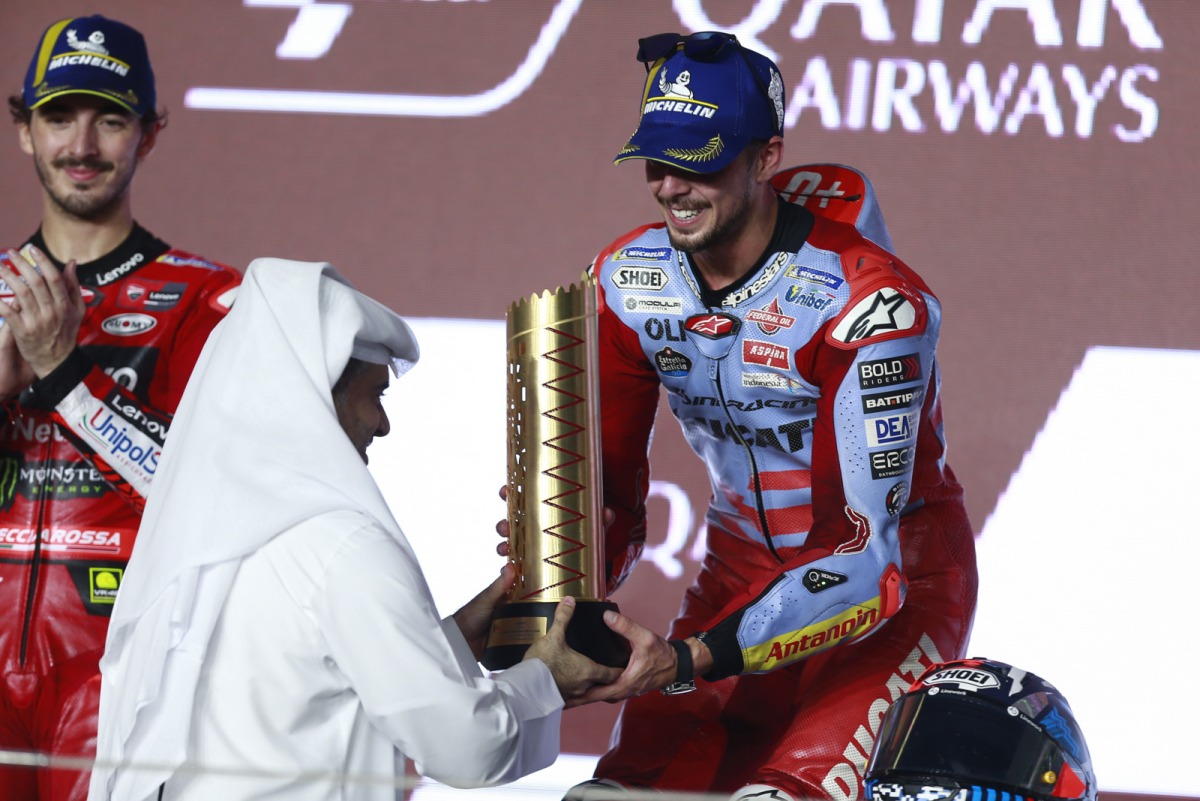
[360,408]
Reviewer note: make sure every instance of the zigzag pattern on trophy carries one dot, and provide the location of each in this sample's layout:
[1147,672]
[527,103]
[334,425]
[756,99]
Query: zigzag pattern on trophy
[574,487]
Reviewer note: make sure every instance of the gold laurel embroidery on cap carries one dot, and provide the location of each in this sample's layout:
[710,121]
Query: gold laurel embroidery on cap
[707,153]
[630,147]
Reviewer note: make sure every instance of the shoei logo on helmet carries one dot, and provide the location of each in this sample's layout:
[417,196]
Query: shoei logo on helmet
[965,678]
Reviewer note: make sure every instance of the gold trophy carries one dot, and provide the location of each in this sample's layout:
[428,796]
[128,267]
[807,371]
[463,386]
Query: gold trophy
[555,498]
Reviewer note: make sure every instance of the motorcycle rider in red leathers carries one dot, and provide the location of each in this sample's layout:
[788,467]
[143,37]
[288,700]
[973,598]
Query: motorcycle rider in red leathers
[799,356]
[102,325]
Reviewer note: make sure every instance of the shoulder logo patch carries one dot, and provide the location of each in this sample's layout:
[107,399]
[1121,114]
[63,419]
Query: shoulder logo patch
[885,311]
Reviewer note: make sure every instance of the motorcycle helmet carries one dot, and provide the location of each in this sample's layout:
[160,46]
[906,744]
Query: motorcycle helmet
[980,730]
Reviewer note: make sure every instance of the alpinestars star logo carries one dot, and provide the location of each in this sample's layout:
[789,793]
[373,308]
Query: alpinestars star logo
[881,316]
[768,794]
[713,326]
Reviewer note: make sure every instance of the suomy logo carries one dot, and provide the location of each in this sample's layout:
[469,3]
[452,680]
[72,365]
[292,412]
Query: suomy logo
[128,325]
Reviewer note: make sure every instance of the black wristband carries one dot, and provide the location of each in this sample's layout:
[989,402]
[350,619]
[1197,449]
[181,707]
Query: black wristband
[49,391]
[683,669]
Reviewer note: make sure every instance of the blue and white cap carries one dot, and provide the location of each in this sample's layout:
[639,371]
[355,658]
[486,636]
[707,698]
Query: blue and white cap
[91,55]
[700,110]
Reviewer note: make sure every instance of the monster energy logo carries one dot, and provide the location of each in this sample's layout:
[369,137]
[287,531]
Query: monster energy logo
[10,470]
[61,480]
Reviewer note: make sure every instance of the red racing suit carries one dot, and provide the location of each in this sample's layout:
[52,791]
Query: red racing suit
[78,452]
[839,555]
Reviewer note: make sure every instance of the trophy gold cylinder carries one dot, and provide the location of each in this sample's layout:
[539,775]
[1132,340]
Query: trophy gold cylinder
[555,497]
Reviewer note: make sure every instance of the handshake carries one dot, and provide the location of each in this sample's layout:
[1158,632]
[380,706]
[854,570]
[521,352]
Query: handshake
[653,664]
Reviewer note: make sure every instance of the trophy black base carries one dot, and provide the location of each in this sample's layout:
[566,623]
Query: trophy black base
[516,625]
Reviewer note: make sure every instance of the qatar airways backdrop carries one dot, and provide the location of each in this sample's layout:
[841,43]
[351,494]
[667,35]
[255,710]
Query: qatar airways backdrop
[1036,162]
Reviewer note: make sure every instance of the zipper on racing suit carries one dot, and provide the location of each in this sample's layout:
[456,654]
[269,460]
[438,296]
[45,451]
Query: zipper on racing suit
[760,506]
[35,563]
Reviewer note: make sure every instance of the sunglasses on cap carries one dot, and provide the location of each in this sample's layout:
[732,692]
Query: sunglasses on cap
[702,46]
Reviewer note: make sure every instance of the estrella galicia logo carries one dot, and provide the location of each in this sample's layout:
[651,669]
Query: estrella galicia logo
[671,362]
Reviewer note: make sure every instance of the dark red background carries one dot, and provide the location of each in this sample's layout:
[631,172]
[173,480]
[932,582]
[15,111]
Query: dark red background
[1038,246]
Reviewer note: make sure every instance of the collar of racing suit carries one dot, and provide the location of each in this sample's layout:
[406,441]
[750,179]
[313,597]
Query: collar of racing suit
[138,249]
[793,224]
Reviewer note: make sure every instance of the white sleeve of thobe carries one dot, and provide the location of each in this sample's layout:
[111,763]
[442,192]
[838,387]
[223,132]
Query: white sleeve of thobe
[527,685]
[418,682]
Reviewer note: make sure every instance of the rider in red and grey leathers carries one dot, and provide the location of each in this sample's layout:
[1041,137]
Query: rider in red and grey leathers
[94,358]
[78,451]
[840,561]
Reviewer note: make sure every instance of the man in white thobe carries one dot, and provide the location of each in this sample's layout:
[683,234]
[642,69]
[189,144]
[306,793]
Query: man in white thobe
[274,636]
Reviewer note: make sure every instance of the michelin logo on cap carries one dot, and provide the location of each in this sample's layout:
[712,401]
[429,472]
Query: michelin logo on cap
[677,89]
[680,87]
[91,55]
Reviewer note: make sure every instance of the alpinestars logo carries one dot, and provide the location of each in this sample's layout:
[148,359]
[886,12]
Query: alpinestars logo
[713,326]
[885,312]
[740,296]
[766,794]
